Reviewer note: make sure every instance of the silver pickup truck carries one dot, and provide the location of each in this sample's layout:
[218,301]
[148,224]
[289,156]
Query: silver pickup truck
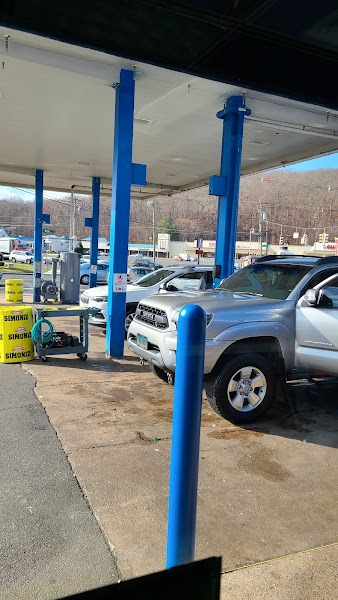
[277,318]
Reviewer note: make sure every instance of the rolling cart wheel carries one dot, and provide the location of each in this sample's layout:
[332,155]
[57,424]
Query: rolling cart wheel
[83,356]
[44,358]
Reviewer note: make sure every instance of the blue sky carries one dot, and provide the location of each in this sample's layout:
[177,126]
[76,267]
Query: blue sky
[9,192]
[325,162]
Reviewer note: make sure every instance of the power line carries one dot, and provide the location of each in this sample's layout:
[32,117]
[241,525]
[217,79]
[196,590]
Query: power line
[50,198]
[303,228]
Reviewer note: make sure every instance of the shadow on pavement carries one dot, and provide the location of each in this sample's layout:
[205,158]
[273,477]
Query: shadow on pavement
[102,364]
[309,413]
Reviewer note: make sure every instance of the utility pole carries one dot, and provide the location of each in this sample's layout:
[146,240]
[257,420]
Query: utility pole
[250,238]
[262,217]
[260,232]
[151,203]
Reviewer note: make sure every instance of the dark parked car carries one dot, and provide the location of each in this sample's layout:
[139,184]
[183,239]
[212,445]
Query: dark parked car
[146,262]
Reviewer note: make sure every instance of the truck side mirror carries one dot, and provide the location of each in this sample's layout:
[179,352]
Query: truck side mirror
[216,272]
[311,297]
[162,288]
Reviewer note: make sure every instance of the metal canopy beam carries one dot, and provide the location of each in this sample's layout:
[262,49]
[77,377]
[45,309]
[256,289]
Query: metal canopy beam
[72,64]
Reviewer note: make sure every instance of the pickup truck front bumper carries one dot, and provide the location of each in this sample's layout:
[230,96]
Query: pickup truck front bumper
[161,348]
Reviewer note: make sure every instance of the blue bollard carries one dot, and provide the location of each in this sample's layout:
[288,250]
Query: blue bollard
[186,435]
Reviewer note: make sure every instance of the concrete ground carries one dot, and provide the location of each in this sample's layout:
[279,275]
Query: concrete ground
[267,493]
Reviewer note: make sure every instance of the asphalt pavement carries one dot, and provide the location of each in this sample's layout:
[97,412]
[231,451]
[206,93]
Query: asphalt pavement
[27,280]
[50,543]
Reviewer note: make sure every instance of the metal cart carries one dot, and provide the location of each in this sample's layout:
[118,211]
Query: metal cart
[81,343]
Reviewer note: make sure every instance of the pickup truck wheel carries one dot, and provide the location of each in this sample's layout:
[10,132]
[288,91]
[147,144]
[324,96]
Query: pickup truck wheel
[243,389]
[130,314]
[161,374]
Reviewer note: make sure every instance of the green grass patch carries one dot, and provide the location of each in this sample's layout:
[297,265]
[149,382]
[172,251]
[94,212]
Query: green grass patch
[18,268]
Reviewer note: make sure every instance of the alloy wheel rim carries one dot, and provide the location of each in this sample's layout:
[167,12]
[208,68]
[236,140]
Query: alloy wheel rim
[247,389]
[128,320]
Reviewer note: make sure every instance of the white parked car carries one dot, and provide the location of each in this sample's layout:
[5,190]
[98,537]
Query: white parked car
[21,256]
[169,279]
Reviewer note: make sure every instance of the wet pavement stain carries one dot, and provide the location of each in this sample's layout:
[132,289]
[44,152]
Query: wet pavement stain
[211,419]
[120,395]
[260,462]
[156,401]
[78,389]
[164,414]
[233,434]
[99,415]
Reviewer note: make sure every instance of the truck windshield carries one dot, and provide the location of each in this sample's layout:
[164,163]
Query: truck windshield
[270,281]
[153,278]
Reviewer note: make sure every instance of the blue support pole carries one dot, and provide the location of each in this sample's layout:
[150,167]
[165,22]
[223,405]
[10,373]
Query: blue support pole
[38,224]
[233,123]
[186,435]
[124,174]
[94,238]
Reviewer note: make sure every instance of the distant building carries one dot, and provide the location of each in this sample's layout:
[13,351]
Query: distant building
[103,244]
[53,243]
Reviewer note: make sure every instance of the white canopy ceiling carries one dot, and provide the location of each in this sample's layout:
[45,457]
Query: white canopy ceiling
[57,114]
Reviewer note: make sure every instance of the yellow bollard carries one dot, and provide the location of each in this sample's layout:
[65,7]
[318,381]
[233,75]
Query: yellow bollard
[16,344]
[14,290]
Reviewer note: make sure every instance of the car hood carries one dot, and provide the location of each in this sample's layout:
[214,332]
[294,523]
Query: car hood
[228,309]
[210,300]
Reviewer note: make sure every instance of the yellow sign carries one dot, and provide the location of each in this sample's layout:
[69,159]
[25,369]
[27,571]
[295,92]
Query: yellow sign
[16,344]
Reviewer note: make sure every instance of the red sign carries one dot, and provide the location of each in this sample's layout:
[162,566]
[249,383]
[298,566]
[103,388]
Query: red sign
[336,245]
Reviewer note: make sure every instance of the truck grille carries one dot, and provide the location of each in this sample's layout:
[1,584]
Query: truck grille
[152,316]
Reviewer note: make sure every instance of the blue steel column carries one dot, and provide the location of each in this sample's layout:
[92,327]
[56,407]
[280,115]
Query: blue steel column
[38,224]
[233,120]
[96,182]
[119,224]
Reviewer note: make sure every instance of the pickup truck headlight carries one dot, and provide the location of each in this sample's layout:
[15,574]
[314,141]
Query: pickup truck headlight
[209,319]
[100,298]
[174,319]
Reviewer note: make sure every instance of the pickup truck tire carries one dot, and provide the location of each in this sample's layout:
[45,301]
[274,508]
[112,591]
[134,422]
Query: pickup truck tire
[163,375]
[243,388]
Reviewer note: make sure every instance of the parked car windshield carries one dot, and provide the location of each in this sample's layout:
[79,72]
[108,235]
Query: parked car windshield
[268,280]
[153,278]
